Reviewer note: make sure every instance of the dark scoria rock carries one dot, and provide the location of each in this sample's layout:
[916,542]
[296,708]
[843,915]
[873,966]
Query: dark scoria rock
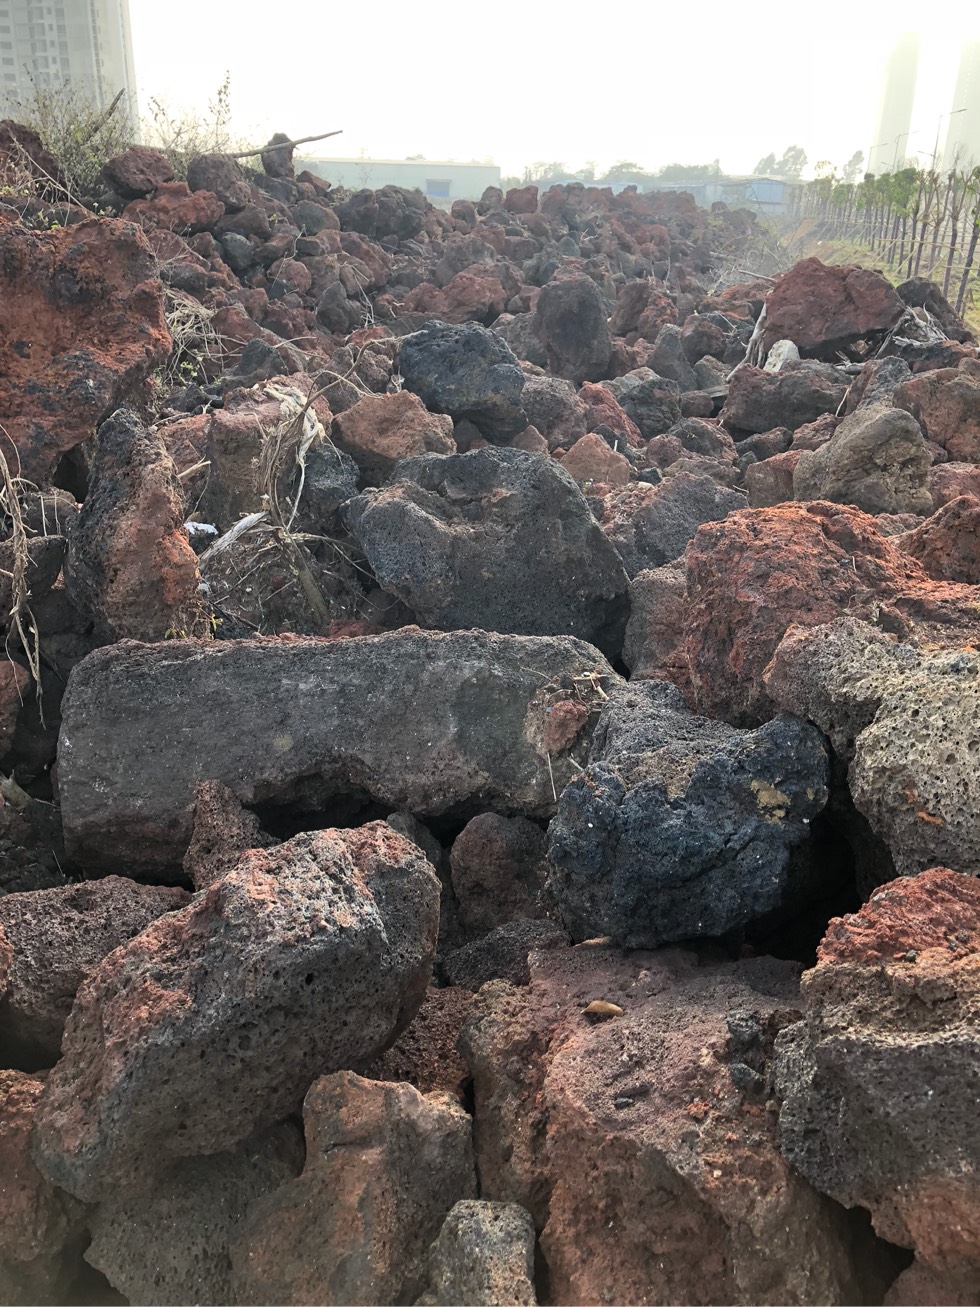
[467,372]
[428,722]
[570,320]
[213,1022]
[499,539]
[680,826]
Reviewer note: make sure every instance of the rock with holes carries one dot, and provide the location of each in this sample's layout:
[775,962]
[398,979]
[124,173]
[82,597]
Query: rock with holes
[498,539]
[381,429]
[651,401]
[168,1241]
[484,1254]
[497,868]
[212,1023]
[38,1221]
[751,577]
[797,394]
[83,329]
[468,372]
[826,309]
[130,567]
[570,319]
[58,936]
[420,720]
[641,1141]
[878,1082]
[384,1166]
[651,524]
[907,722]
[947,544]
[877,459]
[946,403]
[680,826]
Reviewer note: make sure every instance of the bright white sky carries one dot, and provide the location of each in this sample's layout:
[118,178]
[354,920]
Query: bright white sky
[517,81]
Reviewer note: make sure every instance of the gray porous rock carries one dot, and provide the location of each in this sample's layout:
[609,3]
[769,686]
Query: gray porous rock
[468,372]
[681,826]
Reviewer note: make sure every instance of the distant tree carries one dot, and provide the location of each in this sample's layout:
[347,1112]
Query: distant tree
[792,163]
[689,172]
[853,166]
[626,171]
[823,168]
[766,166]
[543,173]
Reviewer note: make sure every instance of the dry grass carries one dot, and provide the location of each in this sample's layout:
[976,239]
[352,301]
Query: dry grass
[20,619]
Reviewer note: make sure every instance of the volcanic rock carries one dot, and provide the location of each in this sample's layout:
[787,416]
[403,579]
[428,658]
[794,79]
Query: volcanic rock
[872,1079]
[137,172]
[947,544]
[827,309]
[384,1166]
[484,1254]
[795,395]
[877,460]
[83,328]
[650,400]
[467,372]
[947,405]
[652,524]
[498,539]
[381,429]
[570,321]
[331,938]
[223,177]
[498,869]
[402,716]
[592,459]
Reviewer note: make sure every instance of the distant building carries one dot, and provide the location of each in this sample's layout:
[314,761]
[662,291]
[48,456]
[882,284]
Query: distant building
[440,182]
[84,43]
[761,194]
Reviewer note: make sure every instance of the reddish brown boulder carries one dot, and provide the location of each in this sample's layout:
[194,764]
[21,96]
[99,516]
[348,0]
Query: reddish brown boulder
[522,200]
[472,297]
[874,1107]
[948,543]
[658,606]
[137,172]
[592,459]
[947,405]
[224,830]
[221,176]
[384,1165]
[770,481]
[948,481]
[425,1055]
[752,576]
[570,321]
[381,429]
[58,936]
[130,566]
[606,411]
[826,309]
[177,208]
[36,1219]
[83,328]
[622,1099]
[24,159]
[331,937]
[796,395]
[497,871]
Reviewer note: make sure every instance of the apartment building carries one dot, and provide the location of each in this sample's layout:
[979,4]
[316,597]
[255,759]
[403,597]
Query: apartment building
[85,43]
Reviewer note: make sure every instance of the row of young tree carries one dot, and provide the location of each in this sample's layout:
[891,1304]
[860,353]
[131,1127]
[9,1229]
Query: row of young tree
[917,221]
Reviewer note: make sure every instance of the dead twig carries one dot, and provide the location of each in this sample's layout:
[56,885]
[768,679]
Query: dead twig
[282,145]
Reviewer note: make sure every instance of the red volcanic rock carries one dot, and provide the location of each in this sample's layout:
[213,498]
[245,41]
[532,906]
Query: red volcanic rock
[381,429]
[23,157]
[497,871]
[522,200]
[948,543]
[770,481]
[825,309]
[213,1022]
[950,480]
[701,337]
[130,565]
[473,297]
[872,1079]
[797,394]
[137,172]
[661,311]
[221,176]
[384,1165]
[658,606]
[947,405]
[592,459]
[814,434]
[224,831]
[606,411]
[425,1055]
[631,299]
[177,208]
[637,1138]
[82,329]
[570,321]
[752,576]
[36,1219]
[58,936]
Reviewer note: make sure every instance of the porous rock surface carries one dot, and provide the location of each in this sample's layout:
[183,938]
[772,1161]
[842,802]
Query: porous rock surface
[331,938]
[384,1166]
[679,826]
[872,1079]
[635,1139]
[403,716]
[484,1255]
[467,372]
[499,539]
